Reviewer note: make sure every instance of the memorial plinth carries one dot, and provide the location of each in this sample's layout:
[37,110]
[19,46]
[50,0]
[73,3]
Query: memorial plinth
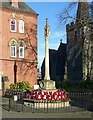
[47,85]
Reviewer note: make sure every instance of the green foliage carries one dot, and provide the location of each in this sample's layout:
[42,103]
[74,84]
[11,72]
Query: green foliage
[87,84]
[5,78]
[69,85]
[64,84]
[59,85]
[24,85]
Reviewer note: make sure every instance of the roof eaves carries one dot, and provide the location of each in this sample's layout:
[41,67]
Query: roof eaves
[22,7]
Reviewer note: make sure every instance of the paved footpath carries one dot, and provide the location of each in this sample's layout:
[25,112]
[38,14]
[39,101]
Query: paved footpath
[11,114]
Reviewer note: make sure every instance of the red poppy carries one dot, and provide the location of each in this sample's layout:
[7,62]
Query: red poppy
[27,96]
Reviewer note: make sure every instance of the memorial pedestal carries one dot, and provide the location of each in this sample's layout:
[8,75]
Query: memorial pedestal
[47,84]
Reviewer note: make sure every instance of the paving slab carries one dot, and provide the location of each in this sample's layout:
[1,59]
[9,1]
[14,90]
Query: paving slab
[14,114]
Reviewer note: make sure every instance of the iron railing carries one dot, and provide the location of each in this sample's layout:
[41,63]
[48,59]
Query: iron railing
[77,101]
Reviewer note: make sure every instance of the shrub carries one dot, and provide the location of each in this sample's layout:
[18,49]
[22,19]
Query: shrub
[24,85]
[87,84]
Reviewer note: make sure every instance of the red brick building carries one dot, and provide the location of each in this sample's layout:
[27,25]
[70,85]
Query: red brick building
[18,43]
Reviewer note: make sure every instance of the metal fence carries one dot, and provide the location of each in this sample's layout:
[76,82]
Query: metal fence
[78,101]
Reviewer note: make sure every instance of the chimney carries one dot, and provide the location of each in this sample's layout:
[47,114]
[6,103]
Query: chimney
[14,3]
[20,0]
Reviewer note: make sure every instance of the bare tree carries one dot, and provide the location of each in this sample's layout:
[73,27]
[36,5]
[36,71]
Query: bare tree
[65,15]
[27,65]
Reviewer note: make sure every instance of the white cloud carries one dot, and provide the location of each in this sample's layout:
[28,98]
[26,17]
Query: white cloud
[58,35]
[53,46]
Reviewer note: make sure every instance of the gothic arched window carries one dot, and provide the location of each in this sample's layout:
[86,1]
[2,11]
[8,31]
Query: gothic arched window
[13,44]
[21,48]
[13,25]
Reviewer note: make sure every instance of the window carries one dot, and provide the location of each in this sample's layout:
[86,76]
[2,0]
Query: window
[13,25]
[13,51]
[13,44]
[21,26]
[21,48]
[21,52]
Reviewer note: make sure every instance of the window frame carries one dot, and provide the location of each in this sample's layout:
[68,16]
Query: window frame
[21,24]
[21,44]
[21,56]
[13,44]
[14,24]
[13,56]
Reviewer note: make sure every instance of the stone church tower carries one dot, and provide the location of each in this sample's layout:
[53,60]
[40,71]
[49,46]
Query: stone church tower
[80,45]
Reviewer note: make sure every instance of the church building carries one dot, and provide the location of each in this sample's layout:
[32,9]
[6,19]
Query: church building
[57,59]
[80,44]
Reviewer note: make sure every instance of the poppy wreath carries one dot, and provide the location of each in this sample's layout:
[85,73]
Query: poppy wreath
[64,96]
[48,95]
[55,95]
[44,95]
[39,95]
[27,96]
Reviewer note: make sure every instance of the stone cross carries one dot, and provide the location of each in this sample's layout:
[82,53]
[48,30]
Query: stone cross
[46,35]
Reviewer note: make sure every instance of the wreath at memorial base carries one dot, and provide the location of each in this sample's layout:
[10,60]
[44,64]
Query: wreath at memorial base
[47,95]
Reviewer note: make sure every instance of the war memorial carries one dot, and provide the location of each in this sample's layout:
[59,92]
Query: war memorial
[47,91]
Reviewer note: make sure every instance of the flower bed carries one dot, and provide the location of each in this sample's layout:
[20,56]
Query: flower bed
[47,95]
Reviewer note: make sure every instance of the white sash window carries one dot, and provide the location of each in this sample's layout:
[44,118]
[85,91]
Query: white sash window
[21,26]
